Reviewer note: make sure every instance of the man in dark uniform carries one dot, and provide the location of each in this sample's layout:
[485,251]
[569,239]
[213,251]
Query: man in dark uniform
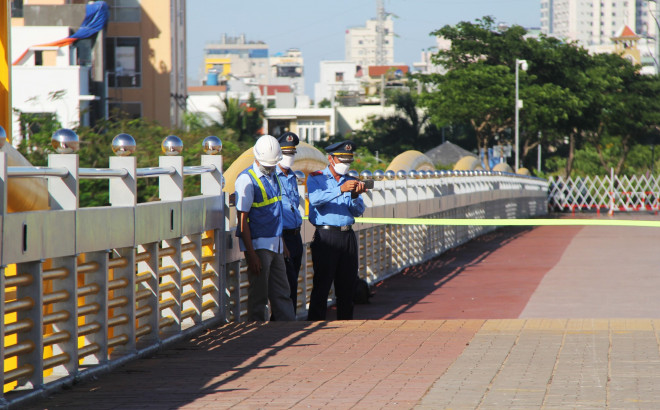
[291,214]
[334,202]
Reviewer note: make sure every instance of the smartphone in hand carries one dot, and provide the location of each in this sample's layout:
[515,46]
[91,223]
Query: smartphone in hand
[369,184]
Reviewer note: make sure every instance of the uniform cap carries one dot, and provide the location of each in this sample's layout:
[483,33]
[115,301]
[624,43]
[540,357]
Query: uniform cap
[288,140]
[341,148]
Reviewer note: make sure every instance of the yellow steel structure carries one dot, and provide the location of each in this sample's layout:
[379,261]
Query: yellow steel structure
[5,67]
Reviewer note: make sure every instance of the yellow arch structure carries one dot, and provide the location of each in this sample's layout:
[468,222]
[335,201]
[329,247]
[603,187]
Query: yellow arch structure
[468,163]
[308,159]
[411,160]
[503,167]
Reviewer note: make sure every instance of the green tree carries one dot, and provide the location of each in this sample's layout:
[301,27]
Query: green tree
[325,103]
[36,130]
[631,109]
[408,128]
[477,94]
[561,90]
[244,119]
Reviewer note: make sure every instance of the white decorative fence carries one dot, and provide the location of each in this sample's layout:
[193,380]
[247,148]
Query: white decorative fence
[608,193]
[84,290]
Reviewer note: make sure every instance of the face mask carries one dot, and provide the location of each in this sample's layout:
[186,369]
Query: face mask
[287,161]
[341,168]
[266,170]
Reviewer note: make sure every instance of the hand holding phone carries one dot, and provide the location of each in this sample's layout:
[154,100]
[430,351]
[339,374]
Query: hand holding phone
[369,184]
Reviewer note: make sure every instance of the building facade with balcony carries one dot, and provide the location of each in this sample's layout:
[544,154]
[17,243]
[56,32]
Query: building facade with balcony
[136,64]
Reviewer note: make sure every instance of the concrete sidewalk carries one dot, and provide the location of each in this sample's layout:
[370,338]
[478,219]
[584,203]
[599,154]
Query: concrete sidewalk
[550,317]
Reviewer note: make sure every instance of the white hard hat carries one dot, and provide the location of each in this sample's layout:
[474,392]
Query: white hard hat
[267,151]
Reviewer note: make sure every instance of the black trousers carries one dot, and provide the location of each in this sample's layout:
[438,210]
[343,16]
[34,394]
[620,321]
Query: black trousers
[294,244]
[335,258]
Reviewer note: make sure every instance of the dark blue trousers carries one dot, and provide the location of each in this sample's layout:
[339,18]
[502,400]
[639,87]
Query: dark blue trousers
[335,258]
[293,242]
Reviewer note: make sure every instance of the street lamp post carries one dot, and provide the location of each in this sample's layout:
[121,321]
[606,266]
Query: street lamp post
[520,64]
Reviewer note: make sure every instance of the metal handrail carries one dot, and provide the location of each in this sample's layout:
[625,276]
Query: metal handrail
[198,170]
[37,172]
[155,171]
[98,173]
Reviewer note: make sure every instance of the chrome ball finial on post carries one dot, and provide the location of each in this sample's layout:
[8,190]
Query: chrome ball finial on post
[401,174]
[300,177]
[379,175]
[65,141]
[366,175]
[353,173]
[123,145]
[172,145]
[389,174]
[212,145]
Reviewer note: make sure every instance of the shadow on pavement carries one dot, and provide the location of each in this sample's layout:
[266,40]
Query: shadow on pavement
[404,293]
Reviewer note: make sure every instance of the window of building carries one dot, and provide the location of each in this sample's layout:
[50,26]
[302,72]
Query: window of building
[311,130]
[128,109]
[339,77]
[128,11]
[123,61]
[289,71]
[17,8]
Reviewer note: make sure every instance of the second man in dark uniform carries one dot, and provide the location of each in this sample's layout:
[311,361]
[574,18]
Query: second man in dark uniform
[291,214]
[334,202]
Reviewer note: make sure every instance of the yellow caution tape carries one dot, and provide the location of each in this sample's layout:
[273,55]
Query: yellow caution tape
[509,222]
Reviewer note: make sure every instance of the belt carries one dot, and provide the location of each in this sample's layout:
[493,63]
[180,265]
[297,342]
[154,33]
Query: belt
[294,231]
[335,228]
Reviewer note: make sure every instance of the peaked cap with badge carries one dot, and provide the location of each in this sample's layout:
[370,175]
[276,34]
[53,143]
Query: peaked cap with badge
[344,148]
[288,140]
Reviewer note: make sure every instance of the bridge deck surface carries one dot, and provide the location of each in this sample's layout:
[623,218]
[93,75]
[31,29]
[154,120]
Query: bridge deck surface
[546,317]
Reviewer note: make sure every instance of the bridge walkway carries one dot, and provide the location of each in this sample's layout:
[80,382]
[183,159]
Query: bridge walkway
[545,317]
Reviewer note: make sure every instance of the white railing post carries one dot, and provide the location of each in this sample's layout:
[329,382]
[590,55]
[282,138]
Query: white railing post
[123,191]
[64,196]
[31,363]
[148,295]
[122,324]
[96,340]
[211,184]
[170,188]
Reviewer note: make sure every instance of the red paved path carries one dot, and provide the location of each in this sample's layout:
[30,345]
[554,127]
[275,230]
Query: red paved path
[491,277]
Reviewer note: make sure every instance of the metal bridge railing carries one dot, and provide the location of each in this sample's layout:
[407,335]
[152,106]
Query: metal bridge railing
[613,193]
[83,290]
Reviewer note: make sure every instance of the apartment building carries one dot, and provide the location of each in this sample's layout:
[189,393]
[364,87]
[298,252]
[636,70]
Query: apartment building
[594,23]
[364,47]
[136,63]
[236,57]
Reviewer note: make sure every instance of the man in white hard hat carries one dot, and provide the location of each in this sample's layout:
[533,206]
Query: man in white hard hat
[260,221]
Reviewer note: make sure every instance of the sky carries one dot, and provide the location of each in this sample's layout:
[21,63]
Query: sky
[317,27]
